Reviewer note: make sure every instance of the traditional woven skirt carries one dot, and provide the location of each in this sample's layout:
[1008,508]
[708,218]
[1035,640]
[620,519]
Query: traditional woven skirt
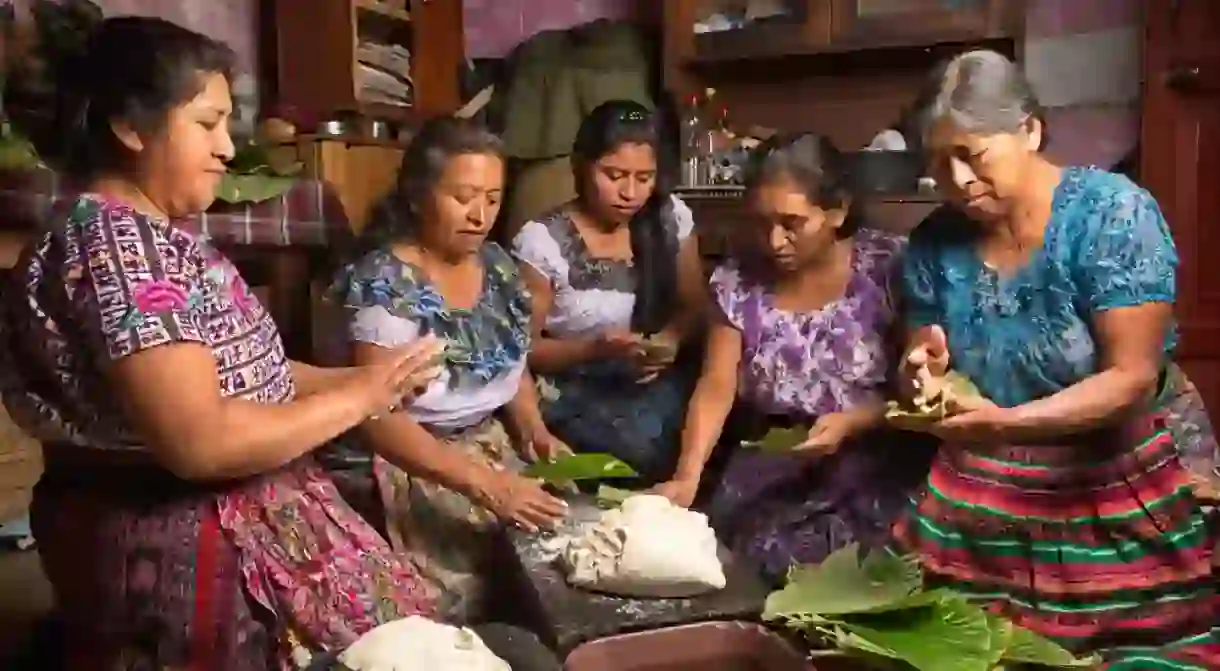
[1098,543]
[446,535]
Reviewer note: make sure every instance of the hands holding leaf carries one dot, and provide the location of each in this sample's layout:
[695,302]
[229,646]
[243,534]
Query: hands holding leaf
[943,402]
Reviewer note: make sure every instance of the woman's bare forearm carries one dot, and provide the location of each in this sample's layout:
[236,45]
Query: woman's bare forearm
[401,441]
[709,409]
[311,379]
[556,355]
[523,412]
[244,438]
[1094,402]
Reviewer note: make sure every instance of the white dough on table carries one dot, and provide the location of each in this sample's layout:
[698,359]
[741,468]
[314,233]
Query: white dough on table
[416,643]
[647,547]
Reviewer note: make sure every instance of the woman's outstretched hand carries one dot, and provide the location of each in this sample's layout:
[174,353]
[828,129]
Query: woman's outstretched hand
[383,385]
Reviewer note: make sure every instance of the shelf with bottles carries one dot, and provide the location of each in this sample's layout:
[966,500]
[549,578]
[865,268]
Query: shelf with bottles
[712,154]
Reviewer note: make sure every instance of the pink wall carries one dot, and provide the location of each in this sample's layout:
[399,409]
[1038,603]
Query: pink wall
[233,21]
[494,27]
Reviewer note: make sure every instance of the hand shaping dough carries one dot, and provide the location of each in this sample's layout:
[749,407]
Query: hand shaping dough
[415,643]
[647,547]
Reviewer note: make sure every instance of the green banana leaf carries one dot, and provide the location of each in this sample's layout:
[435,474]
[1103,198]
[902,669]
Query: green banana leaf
[239,188]
[872,607]
[577,467]
[779,439]
[612,497]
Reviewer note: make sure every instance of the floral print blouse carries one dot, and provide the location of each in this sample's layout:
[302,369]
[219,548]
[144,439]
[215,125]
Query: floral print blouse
[1025,335]
[811,363]
[391,302]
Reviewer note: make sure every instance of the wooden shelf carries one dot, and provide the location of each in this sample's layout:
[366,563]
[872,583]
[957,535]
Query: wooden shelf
[383,9]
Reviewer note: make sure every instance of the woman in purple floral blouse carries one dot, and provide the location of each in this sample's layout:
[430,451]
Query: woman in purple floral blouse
[181,520]
[802,338]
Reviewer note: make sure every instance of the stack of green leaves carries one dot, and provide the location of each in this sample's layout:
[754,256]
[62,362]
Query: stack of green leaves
[873,607]
[253,177]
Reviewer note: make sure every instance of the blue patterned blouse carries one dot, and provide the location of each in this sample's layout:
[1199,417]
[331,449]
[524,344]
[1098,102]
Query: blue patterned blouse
[1027,334]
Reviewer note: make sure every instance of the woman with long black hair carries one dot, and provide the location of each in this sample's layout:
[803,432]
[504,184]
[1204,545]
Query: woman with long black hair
[617,286]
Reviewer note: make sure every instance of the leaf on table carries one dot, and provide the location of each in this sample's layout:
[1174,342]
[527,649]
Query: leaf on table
[612,497]
[1027,647]
[779,439]
[949,635]
[577,467]
[846,582]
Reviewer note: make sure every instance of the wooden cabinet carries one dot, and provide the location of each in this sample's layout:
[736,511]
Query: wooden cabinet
[882,23]
[813,27]
[317,55]
[361,173]
[1180,165]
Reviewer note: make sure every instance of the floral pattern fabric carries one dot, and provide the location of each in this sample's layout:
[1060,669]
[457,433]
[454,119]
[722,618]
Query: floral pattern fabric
[812,363]
[450,538]
[777,509]
[1026,335]
[483,342]
[442,532]
[280,548]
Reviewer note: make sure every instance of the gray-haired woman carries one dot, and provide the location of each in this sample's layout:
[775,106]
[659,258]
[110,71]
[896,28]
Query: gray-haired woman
[1065,501]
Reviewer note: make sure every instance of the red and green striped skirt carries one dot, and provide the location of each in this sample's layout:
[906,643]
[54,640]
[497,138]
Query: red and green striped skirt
[1098,543]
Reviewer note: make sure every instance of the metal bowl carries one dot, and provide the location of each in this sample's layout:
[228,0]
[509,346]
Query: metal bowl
[368,129]
[884,173]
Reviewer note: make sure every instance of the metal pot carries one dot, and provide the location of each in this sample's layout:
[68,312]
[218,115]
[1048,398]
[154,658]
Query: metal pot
[885,173]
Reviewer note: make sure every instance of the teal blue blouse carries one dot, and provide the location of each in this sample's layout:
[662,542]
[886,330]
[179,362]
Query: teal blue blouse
[1028,334]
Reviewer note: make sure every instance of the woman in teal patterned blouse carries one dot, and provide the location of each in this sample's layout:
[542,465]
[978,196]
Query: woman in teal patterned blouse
[1067,501]
[430,271]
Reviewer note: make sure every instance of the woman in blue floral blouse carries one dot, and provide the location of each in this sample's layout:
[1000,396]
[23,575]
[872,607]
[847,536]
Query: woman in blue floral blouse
[430,271]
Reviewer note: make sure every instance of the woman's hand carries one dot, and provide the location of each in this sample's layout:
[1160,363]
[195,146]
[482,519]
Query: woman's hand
[655,355]
[828,434]
[539,444]
[521,501]
[680,491]
[409,371]
[984,424]
[925,363]
[616,344]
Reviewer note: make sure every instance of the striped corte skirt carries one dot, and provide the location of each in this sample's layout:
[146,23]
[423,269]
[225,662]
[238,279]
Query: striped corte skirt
[1099,544]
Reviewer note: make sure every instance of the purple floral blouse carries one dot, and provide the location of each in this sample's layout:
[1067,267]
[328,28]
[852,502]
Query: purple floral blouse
[813,363]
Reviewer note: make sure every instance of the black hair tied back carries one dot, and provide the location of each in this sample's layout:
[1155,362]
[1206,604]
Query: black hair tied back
[396,216]
[813,164]
[654,249]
